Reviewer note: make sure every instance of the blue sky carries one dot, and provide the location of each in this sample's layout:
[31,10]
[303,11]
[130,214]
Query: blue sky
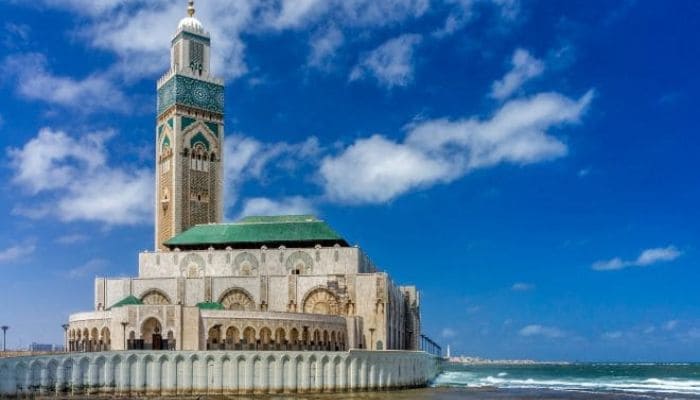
[532,166]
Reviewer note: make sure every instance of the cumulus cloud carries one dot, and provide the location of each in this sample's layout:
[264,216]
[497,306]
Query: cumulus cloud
[645,258]
[391,64]
[525,67]
[462,11]
[522,287]
[442,150]
[295,205]
[544,331]
[247,159]
[16,252]
[80,184]
[127,29]
[34,81]
[323,47]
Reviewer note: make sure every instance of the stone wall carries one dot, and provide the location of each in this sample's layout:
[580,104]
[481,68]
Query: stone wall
[160,373]
[277,261]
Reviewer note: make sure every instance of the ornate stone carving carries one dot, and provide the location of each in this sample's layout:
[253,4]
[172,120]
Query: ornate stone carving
[237,299]
[300,261]
[245,264]
[192,266]
[155,297]
[321,301]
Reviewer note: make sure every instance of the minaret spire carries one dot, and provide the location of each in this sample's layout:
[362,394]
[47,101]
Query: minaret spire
[190,8]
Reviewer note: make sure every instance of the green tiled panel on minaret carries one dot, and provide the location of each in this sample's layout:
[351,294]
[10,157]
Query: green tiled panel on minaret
[191,92]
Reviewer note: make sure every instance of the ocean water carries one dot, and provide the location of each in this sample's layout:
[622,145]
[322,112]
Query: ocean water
[594,381]
[586,380]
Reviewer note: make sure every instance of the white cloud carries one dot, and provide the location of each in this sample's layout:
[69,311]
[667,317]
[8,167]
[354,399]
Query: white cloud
[79,182]
[539,330]
[442,150]
[653,256]
[448,333]
[525,67]
[139,31]
[323,47]
[522,287]
[14,253]
[612,335]
[89,269]
[72,238]
[295,205]
[246,159]
[293,13]
[35,82]
[670,325]
[391,64]
[646,258]
[381,170]
[463,10]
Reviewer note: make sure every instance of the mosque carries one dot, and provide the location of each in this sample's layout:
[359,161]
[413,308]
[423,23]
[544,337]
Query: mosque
[287,283]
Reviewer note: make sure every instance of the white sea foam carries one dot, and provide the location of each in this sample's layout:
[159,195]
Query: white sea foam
[470,379]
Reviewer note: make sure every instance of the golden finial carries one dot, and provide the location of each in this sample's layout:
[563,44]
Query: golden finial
[190,8]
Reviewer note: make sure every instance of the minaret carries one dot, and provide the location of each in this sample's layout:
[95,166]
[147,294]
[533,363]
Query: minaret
[189,135]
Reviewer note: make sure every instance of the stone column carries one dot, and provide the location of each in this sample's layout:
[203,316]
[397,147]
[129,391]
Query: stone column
[44,379]
[218,374]
[305,365]
[92,378]
[124,378]
[109,375]
[249,376]
[137,389]
[292,381]
[60,378]
[187,381]
[277,384]
[169,388]
[75,383]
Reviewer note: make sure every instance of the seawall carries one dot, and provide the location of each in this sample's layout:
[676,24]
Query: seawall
[175,373]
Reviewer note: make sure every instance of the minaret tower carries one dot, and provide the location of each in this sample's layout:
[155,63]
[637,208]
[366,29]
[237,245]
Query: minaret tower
[189,135]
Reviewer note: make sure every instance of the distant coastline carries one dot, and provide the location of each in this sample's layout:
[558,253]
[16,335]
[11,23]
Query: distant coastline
[468,360]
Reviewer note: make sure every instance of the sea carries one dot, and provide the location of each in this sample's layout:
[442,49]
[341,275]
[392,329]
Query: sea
[596,381]
[571,381]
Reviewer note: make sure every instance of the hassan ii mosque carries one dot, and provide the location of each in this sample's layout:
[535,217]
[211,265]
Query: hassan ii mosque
[262,305]
[284,283]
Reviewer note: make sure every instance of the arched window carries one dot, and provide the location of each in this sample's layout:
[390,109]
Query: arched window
[321,301]
[237,299]
[155,297]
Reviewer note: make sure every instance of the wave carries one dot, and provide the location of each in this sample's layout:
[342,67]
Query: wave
[632,385]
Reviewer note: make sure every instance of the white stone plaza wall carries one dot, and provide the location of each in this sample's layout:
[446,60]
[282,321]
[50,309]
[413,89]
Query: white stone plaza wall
[162,373]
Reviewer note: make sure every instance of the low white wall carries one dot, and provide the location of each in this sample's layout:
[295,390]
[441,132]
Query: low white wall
[138,373]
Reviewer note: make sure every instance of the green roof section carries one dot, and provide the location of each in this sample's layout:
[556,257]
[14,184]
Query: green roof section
[127,301]
[206,305]
[260,230]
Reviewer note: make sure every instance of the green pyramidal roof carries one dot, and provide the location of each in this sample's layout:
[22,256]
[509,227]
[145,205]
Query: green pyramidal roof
[256,231]
[127,301]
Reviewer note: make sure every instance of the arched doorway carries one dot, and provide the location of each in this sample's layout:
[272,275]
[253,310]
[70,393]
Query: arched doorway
[320,301]
[151,334]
